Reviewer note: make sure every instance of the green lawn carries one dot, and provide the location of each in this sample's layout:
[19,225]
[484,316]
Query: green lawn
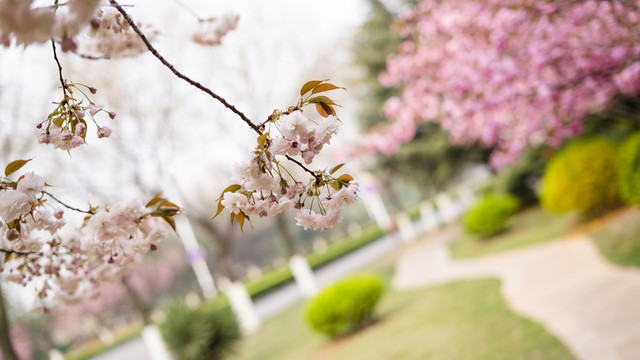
[463,320]
[528,227]
[618,237]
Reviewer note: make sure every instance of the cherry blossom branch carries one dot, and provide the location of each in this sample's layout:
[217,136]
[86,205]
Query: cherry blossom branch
[303,167]
[10,251]
[67,206]
[179,74]
[55,56]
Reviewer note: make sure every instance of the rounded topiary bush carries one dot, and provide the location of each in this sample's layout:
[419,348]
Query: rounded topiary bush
[207,332]
[628,166]
[490,215]
[346,306]
[581,177]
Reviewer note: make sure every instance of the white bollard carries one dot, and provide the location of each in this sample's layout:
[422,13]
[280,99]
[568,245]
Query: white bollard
[55,354]
[467,197]
[429,216]
[446,208]
[154,344]
[405,227]
[370,195]
[242,306]
[303,275]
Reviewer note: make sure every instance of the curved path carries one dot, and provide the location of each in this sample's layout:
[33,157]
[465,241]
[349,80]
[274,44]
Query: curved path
[566,285]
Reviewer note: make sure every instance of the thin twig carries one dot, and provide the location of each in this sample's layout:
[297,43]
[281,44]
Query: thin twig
[9,251]
[55,56]
[188,9]
[67,206]
[304,167]
[179,74]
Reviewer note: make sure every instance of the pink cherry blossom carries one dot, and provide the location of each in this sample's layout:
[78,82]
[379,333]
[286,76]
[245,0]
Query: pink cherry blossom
[508,73]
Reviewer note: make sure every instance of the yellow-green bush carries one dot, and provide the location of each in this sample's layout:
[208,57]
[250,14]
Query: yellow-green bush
[581,177]
[346,306]
[207,332]
[628,162]
[490,215]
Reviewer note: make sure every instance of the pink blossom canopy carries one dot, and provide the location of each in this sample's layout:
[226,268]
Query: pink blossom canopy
[509,73]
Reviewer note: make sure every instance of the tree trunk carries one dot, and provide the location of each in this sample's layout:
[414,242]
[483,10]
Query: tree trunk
[289,242]
[8,353]
[137,301]
[224,242]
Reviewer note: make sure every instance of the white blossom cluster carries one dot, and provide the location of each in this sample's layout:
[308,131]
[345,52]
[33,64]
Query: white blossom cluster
[266,188]
[26,24]
[212,30]
[109,242]
[66,127]
[110,35]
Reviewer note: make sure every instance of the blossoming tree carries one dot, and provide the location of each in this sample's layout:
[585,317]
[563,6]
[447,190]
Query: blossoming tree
[509,73]
[66,262]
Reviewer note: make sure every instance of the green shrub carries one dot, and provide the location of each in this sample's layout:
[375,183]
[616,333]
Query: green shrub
[346,306]
[208,332]
[581,177]
[490,215]
[628,166]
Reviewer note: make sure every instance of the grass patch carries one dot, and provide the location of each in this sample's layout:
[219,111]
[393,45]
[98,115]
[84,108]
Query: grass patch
[96,347]
[618,237]
[533,225]
[457,321]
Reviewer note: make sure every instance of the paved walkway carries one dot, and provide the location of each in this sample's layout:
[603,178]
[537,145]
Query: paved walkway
[586,302]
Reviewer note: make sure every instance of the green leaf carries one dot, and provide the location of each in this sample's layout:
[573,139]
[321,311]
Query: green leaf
[325,87]
[309,85]
[321,99]
[156,199]
[231,188]
[240,218]
[325,109]
[262,139]
[170,221]
[336,168]
[346,178]
[169,204]
[14,166]
[335,184]
[220,207]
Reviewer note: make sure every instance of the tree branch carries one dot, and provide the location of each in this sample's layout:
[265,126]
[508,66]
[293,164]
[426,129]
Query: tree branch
[55,56]
[9,251]
[303,167]
[179,74]
[68,206]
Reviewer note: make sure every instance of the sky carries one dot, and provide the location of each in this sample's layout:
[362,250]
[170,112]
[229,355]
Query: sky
[260,66]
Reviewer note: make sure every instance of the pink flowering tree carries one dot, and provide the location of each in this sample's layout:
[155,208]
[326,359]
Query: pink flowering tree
[509,73]
[66,261]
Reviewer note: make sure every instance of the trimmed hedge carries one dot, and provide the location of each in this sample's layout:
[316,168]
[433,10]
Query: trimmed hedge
[628,165]
[346,306]
[490,215]
[581,177]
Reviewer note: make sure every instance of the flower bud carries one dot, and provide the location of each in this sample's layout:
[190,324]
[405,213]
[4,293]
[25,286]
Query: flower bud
[104,132]
[81,129]
[67,44]
[44,138]
[13,235]
[66,135]
[95,23]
